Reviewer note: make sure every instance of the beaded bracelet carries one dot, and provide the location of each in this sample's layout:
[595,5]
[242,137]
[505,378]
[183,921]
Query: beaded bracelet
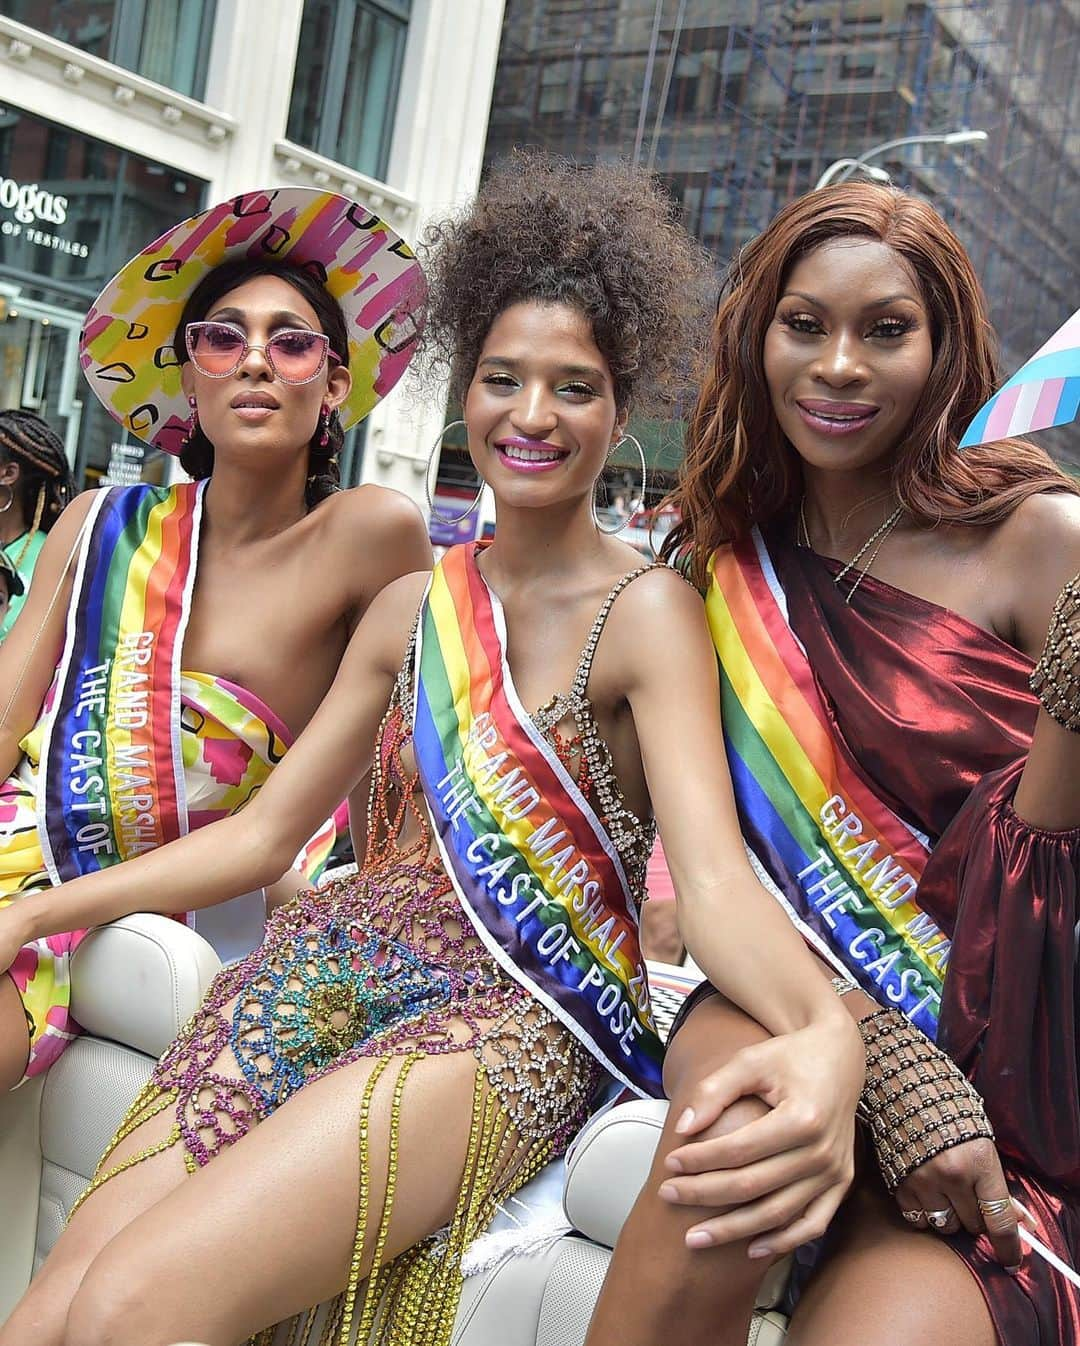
[915,1102]
[1056,677]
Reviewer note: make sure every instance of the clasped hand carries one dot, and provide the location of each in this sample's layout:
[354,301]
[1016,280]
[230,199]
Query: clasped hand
[780,1179]
[964,1187]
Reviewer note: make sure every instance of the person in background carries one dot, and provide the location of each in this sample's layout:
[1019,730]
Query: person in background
[35,485]
[661,941]
[11,586]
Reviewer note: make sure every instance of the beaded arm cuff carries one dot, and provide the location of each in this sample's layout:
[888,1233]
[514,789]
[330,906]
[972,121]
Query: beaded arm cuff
[915,1102]
[1056,678]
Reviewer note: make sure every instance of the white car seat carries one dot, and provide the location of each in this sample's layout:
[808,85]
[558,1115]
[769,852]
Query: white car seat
[547,1298]
[134,984]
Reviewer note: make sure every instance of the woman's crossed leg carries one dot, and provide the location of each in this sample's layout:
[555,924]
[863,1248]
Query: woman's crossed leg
[883,1282]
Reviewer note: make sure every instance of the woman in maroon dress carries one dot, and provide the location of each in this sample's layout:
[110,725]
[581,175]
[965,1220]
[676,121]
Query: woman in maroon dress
[898,629]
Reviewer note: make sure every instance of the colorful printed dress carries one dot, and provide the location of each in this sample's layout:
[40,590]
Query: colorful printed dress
[130,751]
[875,743]
[230,744]
[394,966]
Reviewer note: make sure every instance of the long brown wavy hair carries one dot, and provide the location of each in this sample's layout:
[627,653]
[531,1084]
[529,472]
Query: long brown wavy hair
[740,470]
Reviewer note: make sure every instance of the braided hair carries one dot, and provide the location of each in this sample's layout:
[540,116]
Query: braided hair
[197,456]
[45,485]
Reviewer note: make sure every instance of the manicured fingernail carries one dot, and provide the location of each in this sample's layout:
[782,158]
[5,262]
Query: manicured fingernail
[669,1192]
[757,1250]
[672,1164]
[685,1122]
[699,1238]
[1014,1271]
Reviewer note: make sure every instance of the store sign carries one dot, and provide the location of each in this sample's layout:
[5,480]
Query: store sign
[30,206]
[29,202]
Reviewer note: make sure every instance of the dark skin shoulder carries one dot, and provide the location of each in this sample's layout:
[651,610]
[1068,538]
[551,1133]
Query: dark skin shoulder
[1003,577]
[1033,554]
[275,615]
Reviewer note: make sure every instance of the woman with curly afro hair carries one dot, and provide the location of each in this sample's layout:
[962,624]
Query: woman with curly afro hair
[408,1046]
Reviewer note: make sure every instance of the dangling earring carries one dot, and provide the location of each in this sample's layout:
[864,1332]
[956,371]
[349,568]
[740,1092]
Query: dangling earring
[635,505]
[192,425]
[39,510]
[434,458]
[323,426]
[10,498]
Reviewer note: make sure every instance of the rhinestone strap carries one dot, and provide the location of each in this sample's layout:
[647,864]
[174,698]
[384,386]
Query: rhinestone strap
[915,1102]
[1056,677]
[584,668]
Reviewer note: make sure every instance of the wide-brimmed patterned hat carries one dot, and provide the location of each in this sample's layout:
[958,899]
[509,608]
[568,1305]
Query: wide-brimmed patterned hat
[126,347]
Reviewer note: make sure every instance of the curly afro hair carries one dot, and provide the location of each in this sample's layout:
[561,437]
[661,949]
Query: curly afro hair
[602,238]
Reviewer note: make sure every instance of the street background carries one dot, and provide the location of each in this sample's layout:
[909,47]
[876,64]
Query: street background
[118,117]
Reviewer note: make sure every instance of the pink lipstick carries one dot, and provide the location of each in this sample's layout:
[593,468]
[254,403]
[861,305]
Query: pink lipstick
[522,454]
[836,418]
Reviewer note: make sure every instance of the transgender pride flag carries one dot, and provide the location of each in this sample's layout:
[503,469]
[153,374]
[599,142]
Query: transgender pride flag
[1042,393]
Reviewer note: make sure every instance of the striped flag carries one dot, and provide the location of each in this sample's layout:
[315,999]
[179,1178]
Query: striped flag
[1043,392]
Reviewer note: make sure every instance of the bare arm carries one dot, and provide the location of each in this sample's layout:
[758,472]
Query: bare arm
[735,931]
[29,654]
[799,1158]
[253,848]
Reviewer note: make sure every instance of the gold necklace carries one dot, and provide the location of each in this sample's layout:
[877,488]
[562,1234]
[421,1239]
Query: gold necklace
[878,535]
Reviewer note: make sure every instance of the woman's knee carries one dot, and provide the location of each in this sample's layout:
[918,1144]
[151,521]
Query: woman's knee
[111,1307]
[709,1037]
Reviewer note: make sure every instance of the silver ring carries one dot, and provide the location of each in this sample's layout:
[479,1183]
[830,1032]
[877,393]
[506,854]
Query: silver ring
[940,1218]
[915,1217]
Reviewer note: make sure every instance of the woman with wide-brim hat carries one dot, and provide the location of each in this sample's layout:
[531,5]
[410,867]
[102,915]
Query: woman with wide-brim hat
[177,638]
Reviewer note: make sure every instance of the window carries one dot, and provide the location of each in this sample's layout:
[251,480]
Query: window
[348,67]
[167,41]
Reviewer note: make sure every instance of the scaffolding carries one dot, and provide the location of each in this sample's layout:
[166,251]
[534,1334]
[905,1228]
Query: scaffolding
[739,105]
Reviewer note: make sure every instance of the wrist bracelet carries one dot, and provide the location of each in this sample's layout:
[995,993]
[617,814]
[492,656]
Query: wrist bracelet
[916,1102]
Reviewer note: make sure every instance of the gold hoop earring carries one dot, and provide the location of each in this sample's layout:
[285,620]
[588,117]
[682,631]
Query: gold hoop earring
[635,505]
[433,457]
[10,498]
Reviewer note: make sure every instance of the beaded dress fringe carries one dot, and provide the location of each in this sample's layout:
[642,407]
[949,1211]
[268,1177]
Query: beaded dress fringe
[413,1300]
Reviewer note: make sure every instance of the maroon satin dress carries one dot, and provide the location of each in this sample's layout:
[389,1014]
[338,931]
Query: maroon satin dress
[937,715]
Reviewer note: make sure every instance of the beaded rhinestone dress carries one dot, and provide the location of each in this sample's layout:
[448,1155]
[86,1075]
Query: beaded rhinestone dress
[386,966]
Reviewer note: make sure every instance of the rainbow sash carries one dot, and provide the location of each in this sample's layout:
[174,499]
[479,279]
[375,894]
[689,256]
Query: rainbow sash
[111,783]
[531,863]
[839,859]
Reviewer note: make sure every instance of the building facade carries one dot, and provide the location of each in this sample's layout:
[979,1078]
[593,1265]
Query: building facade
[740,105]
[120,117]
